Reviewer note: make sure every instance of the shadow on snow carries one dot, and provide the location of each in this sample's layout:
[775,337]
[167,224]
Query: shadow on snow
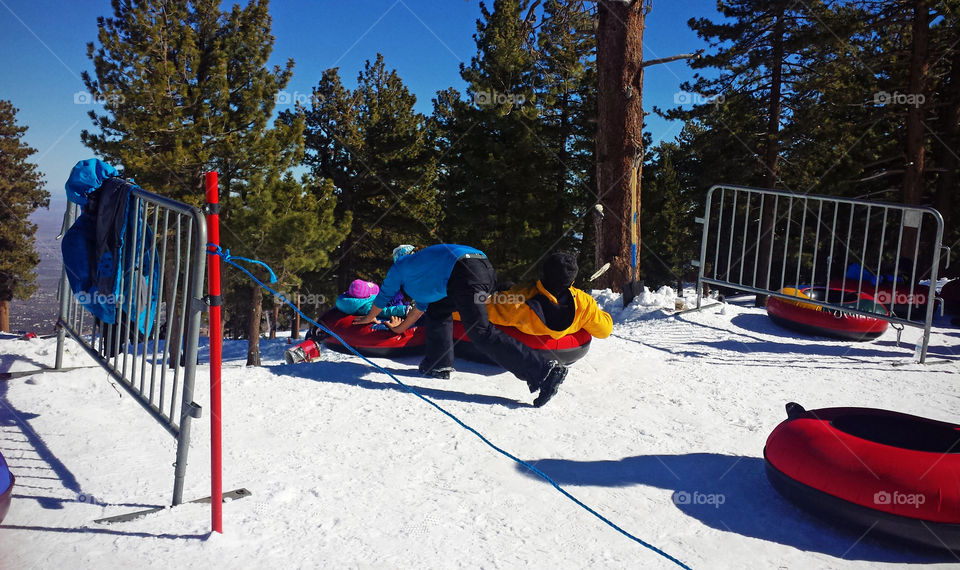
[731,494]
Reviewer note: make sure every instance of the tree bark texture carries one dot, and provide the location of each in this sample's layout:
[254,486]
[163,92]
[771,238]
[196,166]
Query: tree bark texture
[771,157]
[949,143]
[917,88]
[919,70]
[275,323]
[253,327]
[295,329]
[619,135]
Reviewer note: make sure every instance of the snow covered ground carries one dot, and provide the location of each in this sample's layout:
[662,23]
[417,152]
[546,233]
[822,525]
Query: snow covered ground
[660,428]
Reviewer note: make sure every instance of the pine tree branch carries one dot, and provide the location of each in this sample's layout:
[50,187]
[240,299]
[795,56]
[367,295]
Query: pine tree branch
[694,56]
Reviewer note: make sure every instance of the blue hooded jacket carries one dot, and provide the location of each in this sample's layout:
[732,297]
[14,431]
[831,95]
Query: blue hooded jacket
[423,275]
[95,257]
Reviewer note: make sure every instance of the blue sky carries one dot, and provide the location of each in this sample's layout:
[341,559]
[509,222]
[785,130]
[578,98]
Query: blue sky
[43,52]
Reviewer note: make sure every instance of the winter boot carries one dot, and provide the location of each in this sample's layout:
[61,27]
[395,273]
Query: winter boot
[442,373]
[556,374]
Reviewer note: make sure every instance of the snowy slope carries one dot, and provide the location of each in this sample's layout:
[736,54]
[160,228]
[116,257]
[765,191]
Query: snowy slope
[660,428]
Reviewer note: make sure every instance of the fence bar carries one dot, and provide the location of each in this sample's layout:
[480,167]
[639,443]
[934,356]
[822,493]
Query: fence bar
[746,224]
[756,255]
[63,291]
[703,249]
[803,229]
[786,241]
[188,409]
[733,225]
[816,243]
[716,256]
[773,229]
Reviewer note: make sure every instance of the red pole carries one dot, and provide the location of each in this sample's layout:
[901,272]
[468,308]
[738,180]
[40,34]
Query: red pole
[216,349]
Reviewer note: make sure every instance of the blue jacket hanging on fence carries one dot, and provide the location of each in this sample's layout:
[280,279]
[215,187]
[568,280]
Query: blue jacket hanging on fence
[104,271]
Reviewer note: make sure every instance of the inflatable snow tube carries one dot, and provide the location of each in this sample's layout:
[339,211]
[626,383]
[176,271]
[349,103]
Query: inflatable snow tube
[373,340]
[6,487]
[815,320]
[875,469]
[567,349]
[950,293]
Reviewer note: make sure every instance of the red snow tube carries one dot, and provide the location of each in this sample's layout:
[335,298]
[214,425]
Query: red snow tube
[950,293]
[894,473]
[567,349]
[383,343]
[6,487]
[371,340]
[813,319]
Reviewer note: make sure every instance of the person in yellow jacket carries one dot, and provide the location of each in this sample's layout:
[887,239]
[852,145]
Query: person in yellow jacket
[553,306]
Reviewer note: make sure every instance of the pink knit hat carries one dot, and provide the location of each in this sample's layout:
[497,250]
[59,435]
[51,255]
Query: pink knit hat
[361,289]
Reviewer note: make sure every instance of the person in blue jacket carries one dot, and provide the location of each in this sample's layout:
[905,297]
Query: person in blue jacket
[445,278]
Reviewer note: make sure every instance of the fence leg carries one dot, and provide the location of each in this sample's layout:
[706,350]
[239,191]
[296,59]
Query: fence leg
[187,413]
[61,333]
[63,290]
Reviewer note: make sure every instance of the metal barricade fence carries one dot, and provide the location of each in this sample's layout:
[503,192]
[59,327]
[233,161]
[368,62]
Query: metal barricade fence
[151,348]
[759,241]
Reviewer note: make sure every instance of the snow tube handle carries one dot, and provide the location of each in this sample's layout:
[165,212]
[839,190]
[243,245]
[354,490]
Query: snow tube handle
[794,410]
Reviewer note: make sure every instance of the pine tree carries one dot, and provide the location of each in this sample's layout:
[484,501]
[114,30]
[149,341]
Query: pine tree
[946,139]
[759,52]
[886,105]
[669,240]
[289,225]
[186,89]
[567,98]
[373,146]
[499,176]
[21,193]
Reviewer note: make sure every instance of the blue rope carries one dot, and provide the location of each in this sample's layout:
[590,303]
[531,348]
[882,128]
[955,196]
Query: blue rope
[227,258]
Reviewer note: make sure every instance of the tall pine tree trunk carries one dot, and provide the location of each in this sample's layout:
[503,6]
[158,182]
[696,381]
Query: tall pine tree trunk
[5,316]
[253,327]
[771,156]
[915,147]
[619,132]
[275,323]
[295,329]
[946,199]
[561,202]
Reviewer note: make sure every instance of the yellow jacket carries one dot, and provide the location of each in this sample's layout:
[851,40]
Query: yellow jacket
[510,308]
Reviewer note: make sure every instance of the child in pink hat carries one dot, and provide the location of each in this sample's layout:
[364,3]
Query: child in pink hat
[361,289]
